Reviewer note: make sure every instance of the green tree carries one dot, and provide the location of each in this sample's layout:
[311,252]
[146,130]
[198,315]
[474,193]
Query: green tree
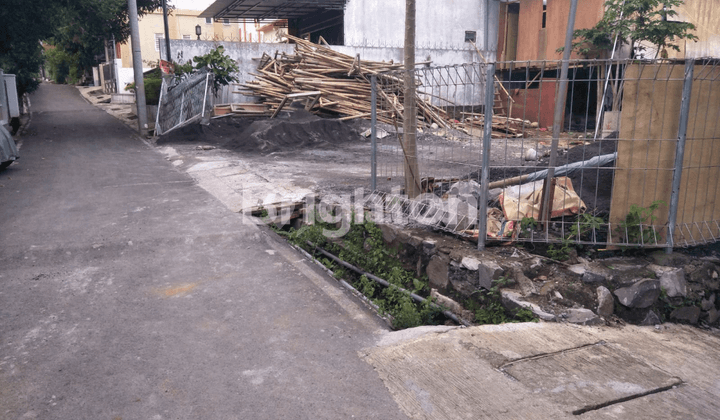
[77,26]
[220,64]
[23,25]
[84,25]
[635,21]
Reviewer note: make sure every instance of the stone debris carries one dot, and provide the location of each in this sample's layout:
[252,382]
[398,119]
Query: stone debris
[707,304]
[612,290]
[672,280]
[651,319]
[592,278]
[642,294]
[686,314]
[606,303]
[513,301]
[583,317]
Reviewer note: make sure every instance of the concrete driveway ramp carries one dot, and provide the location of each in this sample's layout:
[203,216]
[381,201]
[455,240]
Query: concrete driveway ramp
[589,378]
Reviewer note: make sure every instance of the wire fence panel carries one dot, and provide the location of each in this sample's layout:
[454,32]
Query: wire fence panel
[626,137]
[183,100]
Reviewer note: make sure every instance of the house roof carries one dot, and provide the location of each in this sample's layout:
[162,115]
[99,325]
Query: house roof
[268,9]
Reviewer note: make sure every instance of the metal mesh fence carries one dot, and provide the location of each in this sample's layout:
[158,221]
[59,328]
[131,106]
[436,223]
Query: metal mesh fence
[636,157]
[182,101]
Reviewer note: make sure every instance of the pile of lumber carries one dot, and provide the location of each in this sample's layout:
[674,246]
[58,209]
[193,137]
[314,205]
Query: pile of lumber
[502,126]
[344,85]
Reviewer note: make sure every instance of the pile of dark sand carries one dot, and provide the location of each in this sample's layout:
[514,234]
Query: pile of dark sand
[300,129]
[290,131]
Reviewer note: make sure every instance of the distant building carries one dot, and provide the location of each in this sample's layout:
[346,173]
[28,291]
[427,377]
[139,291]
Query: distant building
[181,25]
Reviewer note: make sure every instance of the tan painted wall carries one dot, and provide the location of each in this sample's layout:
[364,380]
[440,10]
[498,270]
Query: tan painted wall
[180,23]
[530,25]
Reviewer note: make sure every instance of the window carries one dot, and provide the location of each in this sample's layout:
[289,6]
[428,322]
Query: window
[158,39]
[186,37]
[208,20]
[226,22]
[544,19]
[470,36]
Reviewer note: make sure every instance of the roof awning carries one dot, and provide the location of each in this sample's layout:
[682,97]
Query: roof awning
[268,9]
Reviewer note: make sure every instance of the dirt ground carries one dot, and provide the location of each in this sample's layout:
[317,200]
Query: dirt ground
[332,157]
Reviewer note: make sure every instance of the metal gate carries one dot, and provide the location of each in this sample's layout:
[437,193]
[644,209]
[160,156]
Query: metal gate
[183,101]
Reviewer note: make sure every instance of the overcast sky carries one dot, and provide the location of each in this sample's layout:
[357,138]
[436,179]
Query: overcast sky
[191,4]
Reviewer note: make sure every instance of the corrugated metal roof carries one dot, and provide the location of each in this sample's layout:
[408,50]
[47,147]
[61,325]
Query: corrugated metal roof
[268,9]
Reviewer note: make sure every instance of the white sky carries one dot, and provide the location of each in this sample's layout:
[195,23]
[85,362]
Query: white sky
[191,4]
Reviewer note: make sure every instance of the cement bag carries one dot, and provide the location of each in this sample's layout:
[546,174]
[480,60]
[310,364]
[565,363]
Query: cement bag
[521,201]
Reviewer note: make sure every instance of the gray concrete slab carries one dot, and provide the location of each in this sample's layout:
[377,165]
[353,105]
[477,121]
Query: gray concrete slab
[552,370]
[126,291]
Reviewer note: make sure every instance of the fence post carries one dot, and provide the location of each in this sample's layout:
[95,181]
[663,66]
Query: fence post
[487,138]
[373,132]
[680,153]
[546,204]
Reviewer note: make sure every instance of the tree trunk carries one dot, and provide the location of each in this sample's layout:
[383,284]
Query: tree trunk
[412,172]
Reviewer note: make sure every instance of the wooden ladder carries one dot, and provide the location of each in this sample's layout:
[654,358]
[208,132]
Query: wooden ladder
[498,108]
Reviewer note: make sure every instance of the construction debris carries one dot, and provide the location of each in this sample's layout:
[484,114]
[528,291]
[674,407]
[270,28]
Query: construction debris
[344,87]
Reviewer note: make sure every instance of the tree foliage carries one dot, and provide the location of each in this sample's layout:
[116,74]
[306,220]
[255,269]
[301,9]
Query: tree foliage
[79,27]
[634,21]
[220,64]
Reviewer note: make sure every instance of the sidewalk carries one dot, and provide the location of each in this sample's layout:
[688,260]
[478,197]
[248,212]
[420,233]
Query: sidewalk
[129,292]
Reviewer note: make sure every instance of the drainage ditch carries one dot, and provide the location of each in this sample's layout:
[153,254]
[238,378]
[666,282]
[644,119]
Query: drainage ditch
[387,276]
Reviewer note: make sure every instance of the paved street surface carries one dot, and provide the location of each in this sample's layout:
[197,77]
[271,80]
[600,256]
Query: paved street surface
[128,292]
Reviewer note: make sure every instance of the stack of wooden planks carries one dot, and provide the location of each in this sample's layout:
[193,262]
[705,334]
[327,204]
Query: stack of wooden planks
[344,84]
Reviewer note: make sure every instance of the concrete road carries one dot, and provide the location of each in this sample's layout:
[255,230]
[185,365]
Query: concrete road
[128,292]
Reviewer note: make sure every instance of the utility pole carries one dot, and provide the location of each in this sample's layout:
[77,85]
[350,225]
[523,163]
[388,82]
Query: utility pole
[412,172]
[167,33]
[137,68]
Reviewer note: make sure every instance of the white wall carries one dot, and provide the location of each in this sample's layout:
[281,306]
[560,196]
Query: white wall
[439,23]
[125,76]
[245,54]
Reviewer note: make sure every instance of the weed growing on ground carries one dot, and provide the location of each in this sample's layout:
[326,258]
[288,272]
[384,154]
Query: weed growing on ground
[585,224]
[489,309]
[631,229]
[363,247]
